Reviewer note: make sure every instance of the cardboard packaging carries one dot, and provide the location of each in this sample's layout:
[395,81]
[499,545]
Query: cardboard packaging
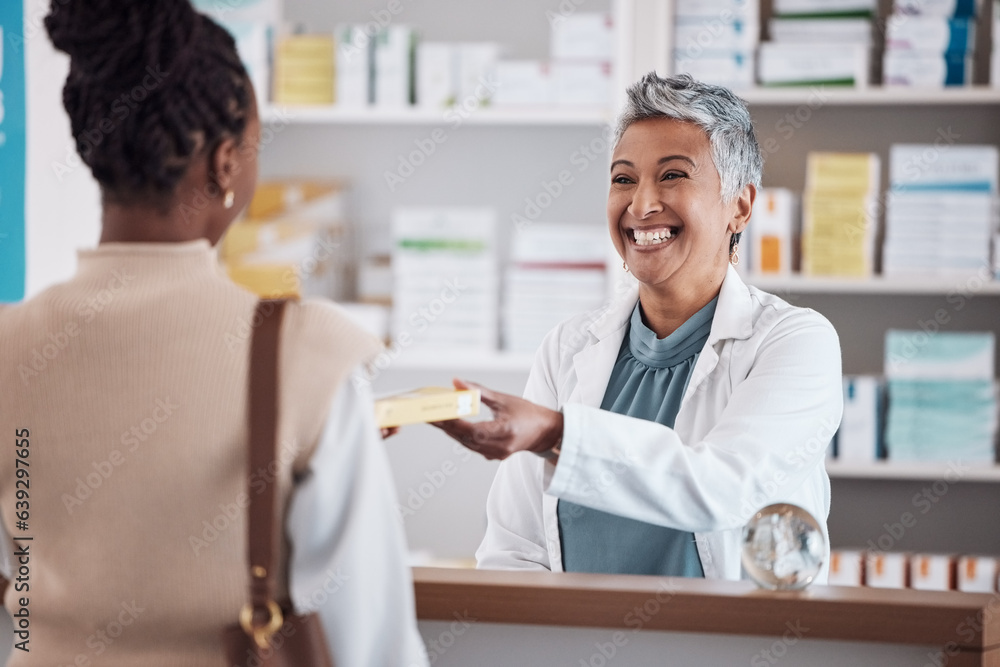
[978,574]
[429,404]
[884,569]
[932,572]
[847,567]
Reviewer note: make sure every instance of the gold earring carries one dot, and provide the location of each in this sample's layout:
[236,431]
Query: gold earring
[230,199]
[734,257]
[625,266]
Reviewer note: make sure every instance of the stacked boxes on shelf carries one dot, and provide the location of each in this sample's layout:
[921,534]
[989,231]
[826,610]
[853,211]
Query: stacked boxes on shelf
[445,294]
[556,271]
[942,397]
[876,568]
[716,41]
[304,70]
[838,225]
[582,52]
[818,42]
[941,209]
[929,43]
[252,25]
[292,241]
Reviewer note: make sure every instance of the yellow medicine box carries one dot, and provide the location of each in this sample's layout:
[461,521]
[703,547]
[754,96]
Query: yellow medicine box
[428,404]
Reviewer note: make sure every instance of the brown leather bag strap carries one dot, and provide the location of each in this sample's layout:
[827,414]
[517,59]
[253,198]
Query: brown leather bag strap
[263,419]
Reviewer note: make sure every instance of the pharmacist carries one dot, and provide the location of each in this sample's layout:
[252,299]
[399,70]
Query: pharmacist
[652,429]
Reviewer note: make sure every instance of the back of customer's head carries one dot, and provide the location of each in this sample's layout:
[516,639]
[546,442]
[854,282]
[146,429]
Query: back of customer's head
[722,115]
[152,85]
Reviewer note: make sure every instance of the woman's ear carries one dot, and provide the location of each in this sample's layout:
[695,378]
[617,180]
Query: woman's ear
[224,163]
[742,208]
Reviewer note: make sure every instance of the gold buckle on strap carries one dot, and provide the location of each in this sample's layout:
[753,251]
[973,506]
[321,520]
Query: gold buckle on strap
[261,633]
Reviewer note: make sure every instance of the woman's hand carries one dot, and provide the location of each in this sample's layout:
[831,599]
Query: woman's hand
[518,425]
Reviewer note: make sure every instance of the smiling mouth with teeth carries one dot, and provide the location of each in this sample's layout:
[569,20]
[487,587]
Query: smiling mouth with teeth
[653,237]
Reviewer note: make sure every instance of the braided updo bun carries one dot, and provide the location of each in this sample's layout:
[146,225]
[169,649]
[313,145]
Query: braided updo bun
[152,84]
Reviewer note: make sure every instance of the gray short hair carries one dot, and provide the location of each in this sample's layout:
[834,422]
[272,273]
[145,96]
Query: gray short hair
[723,116]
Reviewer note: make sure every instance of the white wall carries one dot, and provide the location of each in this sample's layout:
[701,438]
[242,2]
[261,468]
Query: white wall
[62,203]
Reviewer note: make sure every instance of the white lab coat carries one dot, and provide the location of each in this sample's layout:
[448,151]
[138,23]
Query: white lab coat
[764,400]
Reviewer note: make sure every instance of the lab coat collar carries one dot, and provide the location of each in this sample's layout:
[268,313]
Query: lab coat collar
[733,314]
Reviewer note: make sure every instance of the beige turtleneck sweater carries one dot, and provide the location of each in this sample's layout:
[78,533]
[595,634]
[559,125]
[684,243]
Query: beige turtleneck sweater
[131,379]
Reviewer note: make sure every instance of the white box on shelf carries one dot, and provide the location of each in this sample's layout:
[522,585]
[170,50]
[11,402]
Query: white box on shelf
[886,569]
[393,58]
[857,439]
[253,42]
[695,33]
[932,572]
[926,70]
[560,243]
[945,8]
[930,34]
[436,74]
[732,69]
[582,84]
[847,567]
[522,82]
[771,231]
[353,62]
[747,10]
[966,168]
[583,36]
[477,63]
[978,574]
[826,31]
[995,62]
[824,7]
[812,64]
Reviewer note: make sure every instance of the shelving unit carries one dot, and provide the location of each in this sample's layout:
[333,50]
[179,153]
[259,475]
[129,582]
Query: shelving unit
[889,470]
[502,156]
[916,286]
[486,116]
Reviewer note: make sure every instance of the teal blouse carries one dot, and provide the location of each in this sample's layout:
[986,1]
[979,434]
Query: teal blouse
[648,382]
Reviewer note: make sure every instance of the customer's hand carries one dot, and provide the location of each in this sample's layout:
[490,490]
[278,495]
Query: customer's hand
[517,425]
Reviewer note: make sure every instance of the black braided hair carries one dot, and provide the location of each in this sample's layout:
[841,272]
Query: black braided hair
[152,84]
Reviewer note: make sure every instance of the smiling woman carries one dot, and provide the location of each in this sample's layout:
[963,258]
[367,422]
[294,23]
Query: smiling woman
[665,419]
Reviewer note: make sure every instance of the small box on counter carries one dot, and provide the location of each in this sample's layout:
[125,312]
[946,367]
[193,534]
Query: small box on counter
[932,572]
[847,567]
[884,569]
[978,574]
[428,404]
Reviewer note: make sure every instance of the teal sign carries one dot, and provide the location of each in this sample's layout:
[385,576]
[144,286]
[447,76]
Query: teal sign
[12,151]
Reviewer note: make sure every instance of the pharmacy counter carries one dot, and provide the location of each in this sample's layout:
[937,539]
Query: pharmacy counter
[483,618]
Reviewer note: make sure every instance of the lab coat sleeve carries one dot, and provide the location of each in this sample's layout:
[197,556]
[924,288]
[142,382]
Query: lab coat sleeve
[348,551]
[515,526]
[770,437]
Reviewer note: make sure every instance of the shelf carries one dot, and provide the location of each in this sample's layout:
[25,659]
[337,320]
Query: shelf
[463,363]
[450,118]
[971,284]
[875,96]
[977,472]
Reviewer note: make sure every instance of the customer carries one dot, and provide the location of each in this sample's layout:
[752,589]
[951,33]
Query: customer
[667,418]
[136,417]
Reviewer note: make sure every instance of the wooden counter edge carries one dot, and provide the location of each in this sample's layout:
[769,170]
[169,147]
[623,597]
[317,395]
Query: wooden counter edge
[967,622]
